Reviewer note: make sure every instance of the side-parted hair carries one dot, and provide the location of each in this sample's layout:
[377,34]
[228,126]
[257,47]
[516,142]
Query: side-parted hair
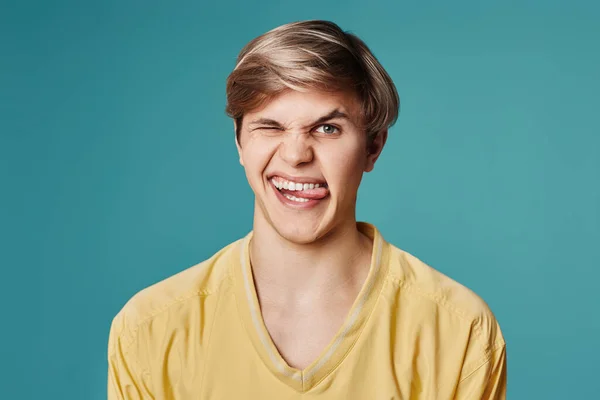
[312,55]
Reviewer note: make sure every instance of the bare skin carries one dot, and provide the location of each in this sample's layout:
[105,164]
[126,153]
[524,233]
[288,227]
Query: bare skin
[309,261]
[306,294]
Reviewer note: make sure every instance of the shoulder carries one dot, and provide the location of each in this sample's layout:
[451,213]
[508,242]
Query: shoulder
[438,295]
[174,294]
[451,325]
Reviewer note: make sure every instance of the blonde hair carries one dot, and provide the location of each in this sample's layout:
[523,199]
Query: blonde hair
[312,55]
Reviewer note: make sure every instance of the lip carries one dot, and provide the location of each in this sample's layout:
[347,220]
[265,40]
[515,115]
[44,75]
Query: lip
[297,179]
[312,203]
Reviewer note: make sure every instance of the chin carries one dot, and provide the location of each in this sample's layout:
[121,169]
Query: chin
[300,228]
[299,233]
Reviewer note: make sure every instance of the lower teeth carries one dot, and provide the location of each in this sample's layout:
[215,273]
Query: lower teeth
[294,198]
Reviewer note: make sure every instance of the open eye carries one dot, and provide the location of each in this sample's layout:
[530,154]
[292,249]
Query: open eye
[328,129]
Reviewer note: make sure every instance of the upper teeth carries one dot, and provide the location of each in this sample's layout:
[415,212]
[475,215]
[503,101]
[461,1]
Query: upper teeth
[289,185]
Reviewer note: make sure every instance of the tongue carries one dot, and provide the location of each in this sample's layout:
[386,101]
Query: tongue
[313,194]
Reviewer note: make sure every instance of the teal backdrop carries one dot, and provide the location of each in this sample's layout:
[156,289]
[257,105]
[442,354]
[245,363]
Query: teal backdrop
[118,168]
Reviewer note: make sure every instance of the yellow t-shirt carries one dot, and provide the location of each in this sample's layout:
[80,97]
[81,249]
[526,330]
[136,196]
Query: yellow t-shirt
[412,333]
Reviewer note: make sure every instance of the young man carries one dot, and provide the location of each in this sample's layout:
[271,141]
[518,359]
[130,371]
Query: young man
[310,304]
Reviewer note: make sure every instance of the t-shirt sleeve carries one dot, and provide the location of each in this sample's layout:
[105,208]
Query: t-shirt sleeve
[487,381]
[127,379]
[483,374]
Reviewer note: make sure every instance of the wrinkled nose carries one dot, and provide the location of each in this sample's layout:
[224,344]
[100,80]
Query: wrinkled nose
[295,149]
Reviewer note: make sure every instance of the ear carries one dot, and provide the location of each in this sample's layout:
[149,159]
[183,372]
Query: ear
[374,149]
[237,143]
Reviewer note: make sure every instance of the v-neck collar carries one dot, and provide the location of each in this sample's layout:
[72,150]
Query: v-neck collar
[342,342]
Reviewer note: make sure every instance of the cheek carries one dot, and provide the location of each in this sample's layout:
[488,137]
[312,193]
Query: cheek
[346,165]
[257,154]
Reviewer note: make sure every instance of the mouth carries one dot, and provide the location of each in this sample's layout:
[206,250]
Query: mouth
[299,192]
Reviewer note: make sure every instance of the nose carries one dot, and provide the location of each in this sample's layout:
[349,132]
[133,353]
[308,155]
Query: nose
[295,149]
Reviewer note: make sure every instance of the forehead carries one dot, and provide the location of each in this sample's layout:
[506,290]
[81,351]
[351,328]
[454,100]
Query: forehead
[293,106]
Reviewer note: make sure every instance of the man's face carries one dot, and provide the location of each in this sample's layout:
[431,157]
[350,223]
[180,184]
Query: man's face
[304,155]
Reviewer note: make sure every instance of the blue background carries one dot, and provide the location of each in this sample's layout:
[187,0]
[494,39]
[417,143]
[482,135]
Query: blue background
[118,168]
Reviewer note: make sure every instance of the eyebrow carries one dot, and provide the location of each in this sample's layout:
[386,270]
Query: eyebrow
[335,114]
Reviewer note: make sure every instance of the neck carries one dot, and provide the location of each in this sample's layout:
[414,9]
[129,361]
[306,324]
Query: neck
[302,273]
